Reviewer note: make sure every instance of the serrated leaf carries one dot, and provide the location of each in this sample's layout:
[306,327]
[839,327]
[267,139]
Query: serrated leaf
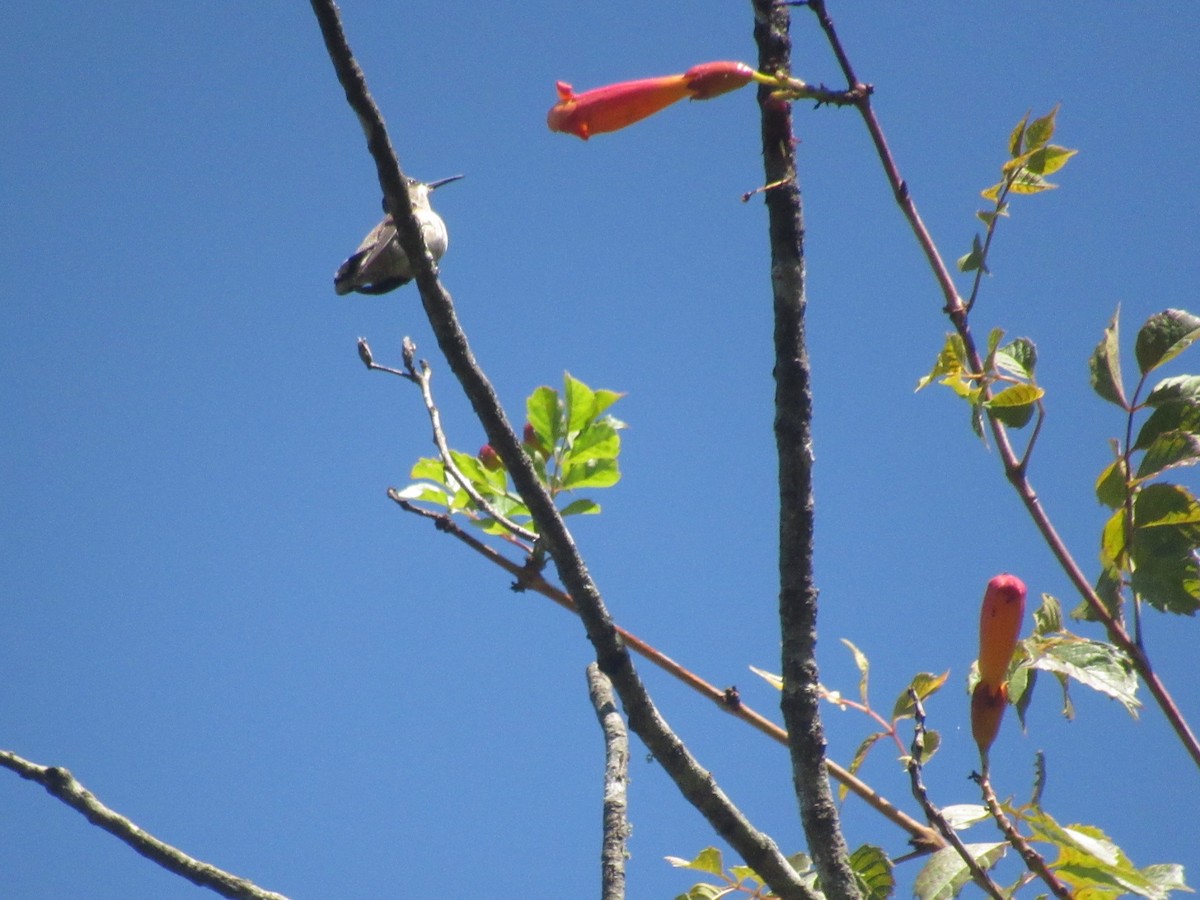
[925,684]
[864,670]
[945,874]
[580,401]
[974,258]
[1164,336]
[1104,365]
[948,362]
[1048,617]
[1177,416]
[544,414]
[1049,159]
[599,440]
[707,860]
[1114,542]
[961,816]
[1016,140]
[873,870]
[1041,130]
[1018,357]
[1093,664]
[1181,389]
[592,473]
[604,399]
[1168,451]
[1027,182]
[1021,685]
[1166,571]
[1015,405]
[1110,486]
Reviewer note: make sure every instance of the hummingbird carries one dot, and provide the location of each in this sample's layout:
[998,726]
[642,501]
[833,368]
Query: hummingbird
[380,264]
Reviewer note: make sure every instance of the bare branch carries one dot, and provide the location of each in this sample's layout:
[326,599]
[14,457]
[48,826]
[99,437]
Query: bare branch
[793,438]
[932,813]
[616,781]
[697,785]
[60,783]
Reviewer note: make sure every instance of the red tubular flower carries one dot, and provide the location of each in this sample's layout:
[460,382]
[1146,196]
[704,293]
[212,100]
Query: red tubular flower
[999,627]
[987,709]
[614,106]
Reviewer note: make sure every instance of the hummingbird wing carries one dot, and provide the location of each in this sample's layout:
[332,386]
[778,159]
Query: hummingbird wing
[356,274]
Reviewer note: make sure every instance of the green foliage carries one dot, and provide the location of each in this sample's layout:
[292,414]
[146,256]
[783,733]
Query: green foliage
[569,437]
[872,869]
[945,874]
[1149,543]
[1008,372]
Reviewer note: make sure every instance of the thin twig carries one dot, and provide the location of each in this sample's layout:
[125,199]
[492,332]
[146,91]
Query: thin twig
[932,813]
[60,783]
[422,379]
[1033,860]
[1014,469]
[921,837]
[616,782]
[696,784]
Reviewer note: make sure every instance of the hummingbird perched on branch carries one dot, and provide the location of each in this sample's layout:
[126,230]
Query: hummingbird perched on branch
[380,263]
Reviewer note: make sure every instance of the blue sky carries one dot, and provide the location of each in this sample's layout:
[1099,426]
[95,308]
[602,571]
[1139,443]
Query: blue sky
[216,619]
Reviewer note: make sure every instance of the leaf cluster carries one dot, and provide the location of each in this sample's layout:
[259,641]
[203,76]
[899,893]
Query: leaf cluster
[1149,543]
[569,436]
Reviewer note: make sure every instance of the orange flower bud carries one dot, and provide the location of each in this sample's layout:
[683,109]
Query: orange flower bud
[987,709]
[999,627]
[615,106]
[713,79]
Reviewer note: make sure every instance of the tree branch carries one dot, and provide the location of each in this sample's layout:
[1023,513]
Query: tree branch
[60,783]
[616,782]
[697,785]
[793,436]
[1014,469]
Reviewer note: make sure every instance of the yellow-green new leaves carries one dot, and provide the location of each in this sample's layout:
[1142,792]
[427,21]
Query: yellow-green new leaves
[872,871]
[1031,158]
[1010,368]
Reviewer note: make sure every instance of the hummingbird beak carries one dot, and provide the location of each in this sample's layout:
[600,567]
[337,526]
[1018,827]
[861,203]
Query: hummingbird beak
[434,185]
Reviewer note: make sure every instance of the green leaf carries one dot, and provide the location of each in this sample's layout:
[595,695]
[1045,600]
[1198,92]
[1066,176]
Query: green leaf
[1181,388]
[707,860]
[945,874]
[580,507]
[961,816]
[591,473]
[860,756]
[950,361]
[1041,130]
[1166,571]
[925,684]
[1164,336]
[599,440]
[1114,542]
[1014,406]
[1096,665]
[1105,365]
[873,870]
[1021,684]
[604,399]
[1018,357]
[973,260]
[1110,486]
[1176,416]
[1049,159]
[1027,182]
[1048,617]
[580,403]
[864,670]
[1170,450]
[1016,140]
[544,414]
